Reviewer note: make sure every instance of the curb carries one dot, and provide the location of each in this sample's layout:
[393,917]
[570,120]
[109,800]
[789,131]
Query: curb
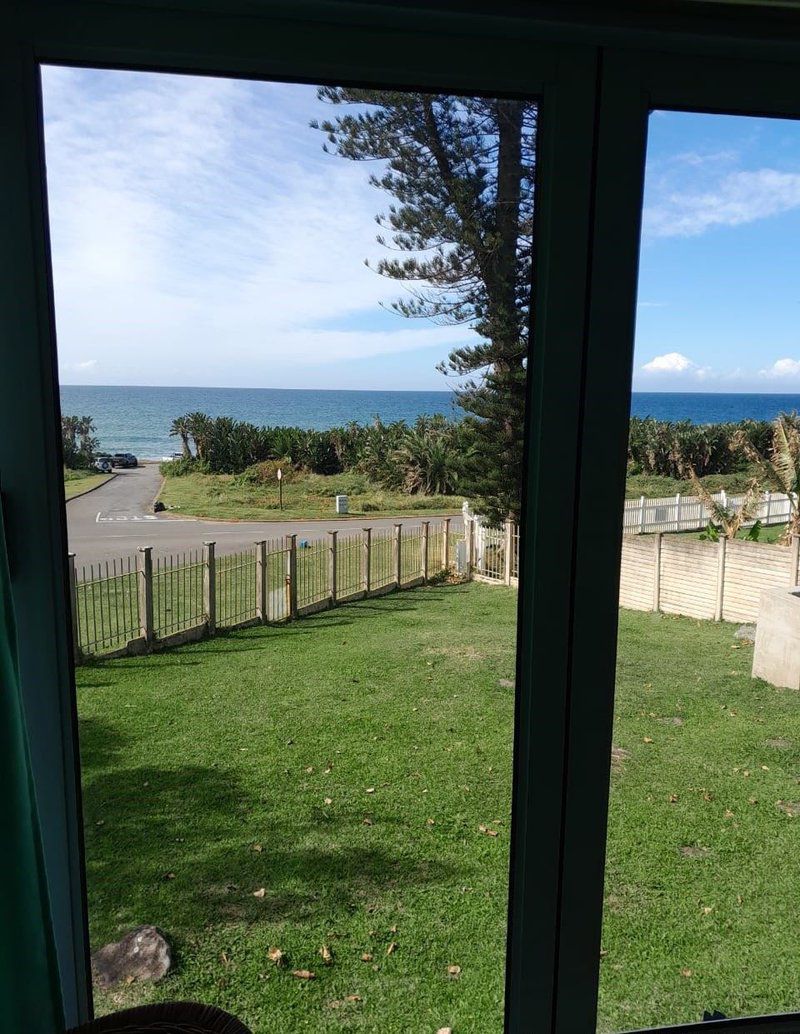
[307,520]
[86,491]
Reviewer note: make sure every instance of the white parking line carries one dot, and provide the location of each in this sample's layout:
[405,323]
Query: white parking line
[132,518]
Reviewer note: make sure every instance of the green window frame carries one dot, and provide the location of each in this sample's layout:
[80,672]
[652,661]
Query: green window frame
[595,82]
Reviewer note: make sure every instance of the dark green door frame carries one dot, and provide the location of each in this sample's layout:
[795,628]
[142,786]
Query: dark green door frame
[594,103]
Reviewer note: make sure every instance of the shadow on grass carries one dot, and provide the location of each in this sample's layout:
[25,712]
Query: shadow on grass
[174,846]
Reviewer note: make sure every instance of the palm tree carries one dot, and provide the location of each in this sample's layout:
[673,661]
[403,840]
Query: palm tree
[726,519]
[180,428]
[780,469]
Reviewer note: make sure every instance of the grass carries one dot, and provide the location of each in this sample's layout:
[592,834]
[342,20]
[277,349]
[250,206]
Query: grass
[769,533]
[194,758]
[229,497]
[78,481]
[702,860]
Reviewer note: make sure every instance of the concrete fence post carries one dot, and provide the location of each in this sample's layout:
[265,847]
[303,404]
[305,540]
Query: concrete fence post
[794,568]
[366,561]
[641,514]
[657,570]
[261,581]
[426,527]
[145,557]
[210,586]
[446,544]
[73,606]
[469,529]
[678,512]
[332,567]
[718,607]
[291,576]
[509,544]
[397,549]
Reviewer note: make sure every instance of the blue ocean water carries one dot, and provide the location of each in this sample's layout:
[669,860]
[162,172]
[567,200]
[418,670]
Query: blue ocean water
[711,407]
[137,419]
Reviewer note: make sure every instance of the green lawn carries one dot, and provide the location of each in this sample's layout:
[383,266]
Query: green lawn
[78,481]
[769,533]
[272,738]
[228,497]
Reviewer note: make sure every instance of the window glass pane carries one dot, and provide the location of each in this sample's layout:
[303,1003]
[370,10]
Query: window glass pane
[299,775]
[701,858]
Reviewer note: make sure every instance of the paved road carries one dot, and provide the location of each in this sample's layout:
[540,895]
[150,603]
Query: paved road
[117,518]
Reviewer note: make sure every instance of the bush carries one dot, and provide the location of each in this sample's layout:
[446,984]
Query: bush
[266,473]
[181,467]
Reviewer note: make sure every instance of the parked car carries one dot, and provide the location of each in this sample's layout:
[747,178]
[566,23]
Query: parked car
[124,459]
[103,464]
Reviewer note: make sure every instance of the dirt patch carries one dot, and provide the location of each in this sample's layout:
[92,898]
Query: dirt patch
[618,757]
[792,808]
[779,743]
[694,851]
[674,720]
[462,652]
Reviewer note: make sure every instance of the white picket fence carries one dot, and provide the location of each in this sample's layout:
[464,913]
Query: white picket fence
[689,513]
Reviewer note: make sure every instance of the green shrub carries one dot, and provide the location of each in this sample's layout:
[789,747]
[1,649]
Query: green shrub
[183,466]
[266,473]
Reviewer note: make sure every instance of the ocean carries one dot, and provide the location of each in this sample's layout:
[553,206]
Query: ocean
[137,419]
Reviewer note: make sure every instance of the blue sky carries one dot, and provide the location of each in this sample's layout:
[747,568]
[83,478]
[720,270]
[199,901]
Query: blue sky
[202,237]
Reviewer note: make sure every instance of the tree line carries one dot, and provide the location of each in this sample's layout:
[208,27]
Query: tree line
[427,457]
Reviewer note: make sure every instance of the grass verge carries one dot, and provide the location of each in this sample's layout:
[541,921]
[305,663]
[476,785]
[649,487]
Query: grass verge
[76,482]
[229,497]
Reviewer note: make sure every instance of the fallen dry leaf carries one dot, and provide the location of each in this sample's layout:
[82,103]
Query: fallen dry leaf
[487,832]
[370,789]
[648,739]
[454,971]
[445,1030]
[168,876]
[327,956]
[392,948]
[367,822]
[257,848]
[686,972]
[303,974]
[673,798]
[260,893]
[328,800]
[352,998]
[366,957]
[277,956]
[310,769]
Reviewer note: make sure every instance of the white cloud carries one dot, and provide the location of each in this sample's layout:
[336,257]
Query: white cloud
[200,235]
[737,198]
[87,364]
[671,362]
[782,368]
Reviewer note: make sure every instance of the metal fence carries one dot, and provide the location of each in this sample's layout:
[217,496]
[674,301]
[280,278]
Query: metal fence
[136,604]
